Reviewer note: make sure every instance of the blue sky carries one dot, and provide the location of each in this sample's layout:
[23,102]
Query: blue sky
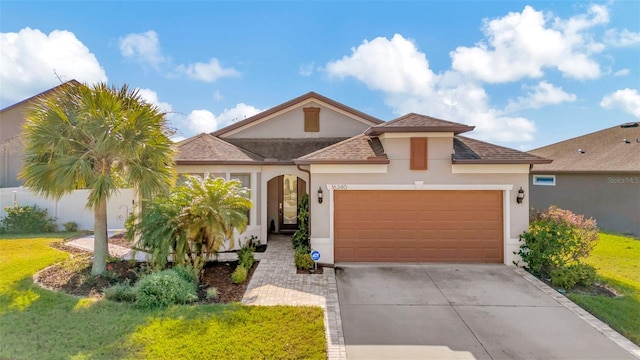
[526,74]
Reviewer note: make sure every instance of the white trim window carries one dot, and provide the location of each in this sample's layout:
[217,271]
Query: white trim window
[545,180]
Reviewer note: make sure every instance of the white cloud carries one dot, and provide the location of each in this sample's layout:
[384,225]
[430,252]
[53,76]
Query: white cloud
[307,69]
[393,66]
[151,97]
[207,72]
[621,72]
[30,57]
[521,45]
[396,67]
[217,95]
[144,47]
[200,121]
[621,39]
[626,99]
[540,95]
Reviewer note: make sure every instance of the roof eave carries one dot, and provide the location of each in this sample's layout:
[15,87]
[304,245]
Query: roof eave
[372,161]
[378,130]
[545,171]
[232,162]
[500,161]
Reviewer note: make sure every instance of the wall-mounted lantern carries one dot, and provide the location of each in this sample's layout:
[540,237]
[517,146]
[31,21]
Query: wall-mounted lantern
[520,196]
[320,195]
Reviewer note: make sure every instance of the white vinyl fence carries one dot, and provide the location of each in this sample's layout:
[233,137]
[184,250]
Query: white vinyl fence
[71,207]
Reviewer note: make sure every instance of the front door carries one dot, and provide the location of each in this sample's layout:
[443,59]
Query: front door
[288,203]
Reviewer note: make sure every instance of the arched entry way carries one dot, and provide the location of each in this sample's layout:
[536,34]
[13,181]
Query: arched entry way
[283,194]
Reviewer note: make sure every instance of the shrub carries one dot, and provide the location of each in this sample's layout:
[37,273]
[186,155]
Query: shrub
[586,274]
[70,226]
[556,239]
[27,219]
[188,273]
[245,257]
[301,237]
[212,293]
[564,277]
[239,275]
[163,289]
[303,259]
[121,292]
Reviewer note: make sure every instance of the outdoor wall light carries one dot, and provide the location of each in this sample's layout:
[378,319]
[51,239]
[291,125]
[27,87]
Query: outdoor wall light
[520,196]
[320,195]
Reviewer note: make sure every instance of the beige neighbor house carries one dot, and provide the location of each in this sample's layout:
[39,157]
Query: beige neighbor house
[11,153]
[408,190]
[597,175]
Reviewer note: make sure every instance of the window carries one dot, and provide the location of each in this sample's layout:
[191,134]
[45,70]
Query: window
[546,180]
[245,181]
[418,154]
[311,119]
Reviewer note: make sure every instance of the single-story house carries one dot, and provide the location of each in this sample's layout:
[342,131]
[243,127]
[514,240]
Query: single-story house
[11,153]
[597,175]
[411,189]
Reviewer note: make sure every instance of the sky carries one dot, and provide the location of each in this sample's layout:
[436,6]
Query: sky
[526,74]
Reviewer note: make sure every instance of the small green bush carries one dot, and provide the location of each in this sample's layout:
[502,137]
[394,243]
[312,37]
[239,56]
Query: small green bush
[586,274]
[301,236]
[302,258]
[245,257]
[163,289]
[188,273]
[27,219]
[212,293]
[557,239]
[70,226]
[121,292]
[239,275]
[565,277]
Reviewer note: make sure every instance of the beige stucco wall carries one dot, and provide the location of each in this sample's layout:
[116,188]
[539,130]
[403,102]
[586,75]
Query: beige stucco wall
[11,121]
[260,193]
[439,173]
[290,124]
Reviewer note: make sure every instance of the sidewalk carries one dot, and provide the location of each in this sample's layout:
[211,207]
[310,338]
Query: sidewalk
[275,282]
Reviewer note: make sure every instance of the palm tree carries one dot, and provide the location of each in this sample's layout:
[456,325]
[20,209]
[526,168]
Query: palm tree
[99,138]
[193,221]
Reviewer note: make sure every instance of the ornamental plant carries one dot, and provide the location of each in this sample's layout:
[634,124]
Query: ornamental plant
[556,244]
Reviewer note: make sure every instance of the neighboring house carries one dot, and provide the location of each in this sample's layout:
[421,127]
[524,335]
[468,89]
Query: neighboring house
[597,175]
[11,122]
[408,190]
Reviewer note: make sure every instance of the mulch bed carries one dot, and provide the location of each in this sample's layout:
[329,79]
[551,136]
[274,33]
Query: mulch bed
[74,277]
[318,271]
[596,289]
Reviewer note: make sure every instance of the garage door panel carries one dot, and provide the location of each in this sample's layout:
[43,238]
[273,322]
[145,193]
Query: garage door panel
[418,226]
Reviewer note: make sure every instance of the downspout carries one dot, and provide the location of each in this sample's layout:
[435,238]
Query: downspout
[309,193]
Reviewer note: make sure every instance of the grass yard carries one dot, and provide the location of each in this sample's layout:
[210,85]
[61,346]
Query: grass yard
[36,323]
[617,259]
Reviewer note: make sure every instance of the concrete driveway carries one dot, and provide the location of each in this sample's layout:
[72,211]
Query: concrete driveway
[459,312]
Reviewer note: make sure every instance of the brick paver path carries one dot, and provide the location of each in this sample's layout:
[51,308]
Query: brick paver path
[275,282]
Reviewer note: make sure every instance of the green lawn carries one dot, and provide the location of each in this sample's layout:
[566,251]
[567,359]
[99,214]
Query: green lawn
[36,323]
[617,259]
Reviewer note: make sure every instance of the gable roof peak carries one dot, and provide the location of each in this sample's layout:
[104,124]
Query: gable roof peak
[300,99]
[414,122]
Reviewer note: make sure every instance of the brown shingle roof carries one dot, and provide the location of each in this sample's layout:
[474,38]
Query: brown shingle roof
[359,149]
[603,151]
[284,149]
[472,151]
[413,122]
[207,149]
[292,102]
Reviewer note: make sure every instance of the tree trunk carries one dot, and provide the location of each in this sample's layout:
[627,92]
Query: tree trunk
[100,241]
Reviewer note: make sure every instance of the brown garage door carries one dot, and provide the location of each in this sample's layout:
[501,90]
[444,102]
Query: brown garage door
[418,226]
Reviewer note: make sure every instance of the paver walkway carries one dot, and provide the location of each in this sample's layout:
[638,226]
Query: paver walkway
[275,282]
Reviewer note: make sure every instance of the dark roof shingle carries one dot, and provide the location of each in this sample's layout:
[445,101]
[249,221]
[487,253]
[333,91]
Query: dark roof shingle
[472,151]
[358,149]
[208,149]
[602,151]
[284,149]
[413,122]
